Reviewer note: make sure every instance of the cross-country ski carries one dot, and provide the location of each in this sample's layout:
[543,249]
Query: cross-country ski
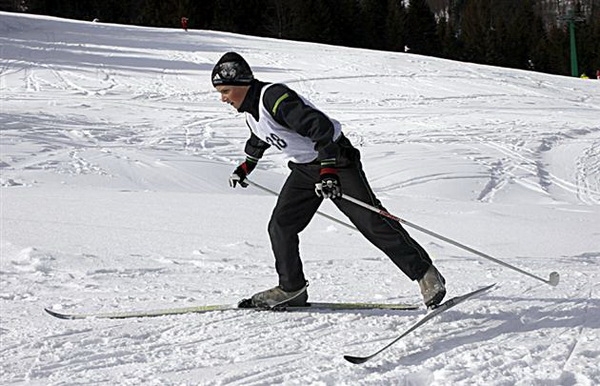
[430,315]
[313,306]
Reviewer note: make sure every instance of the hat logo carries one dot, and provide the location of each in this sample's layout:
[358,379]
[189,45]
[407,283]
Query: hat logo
[228,70]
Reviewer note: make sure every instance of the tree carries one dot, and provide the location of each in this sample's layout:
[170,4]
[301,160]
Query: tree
[12,5]
[521,33]
[239,16]
[395,26]
[478,32]
[588,42]
[421,34]
[279,19]
[346,24]
[373,23]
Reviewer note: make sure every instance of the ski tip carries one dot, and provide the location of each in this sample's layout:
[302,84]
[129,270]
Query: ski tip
[484,289]
[57,314]
[60,315]
[356,360]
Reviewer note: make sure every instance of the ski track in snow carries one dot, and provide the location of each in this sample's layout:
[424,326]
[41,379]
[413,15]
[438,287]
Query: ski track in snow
[115,153]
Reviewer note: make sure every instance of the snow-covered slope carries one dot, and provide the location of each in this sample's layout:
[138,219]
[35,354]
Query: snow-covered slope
[115,154]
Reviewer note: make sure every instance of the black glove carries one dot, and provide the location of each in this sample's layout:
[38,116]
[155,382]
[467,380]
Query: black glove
[241,172]
[329,186]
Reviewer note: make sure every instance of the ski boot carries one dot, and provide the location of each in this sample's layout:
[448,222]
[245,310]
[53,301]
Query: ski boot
[433,287]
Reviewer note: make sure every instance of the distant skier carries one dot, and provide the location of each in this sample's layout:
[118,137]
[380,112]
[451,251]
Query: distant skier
[184,23]
[322,161]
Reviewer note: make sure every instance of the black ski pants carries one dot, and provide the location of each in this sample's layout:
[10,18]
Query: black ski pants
[298,203]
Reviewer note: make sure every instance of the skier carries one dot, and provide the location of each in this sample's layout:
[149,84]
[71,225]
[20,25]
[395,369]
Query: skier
[322,162]
[184,23]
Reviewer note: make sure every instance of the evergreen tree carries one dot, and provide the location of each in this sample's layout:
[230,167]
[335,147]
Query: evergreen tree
[279,18]
[478,32]
[520,33]
[311,21]
[588,46]
[421,34]
[395,26]
[557,51]
[448,41]
[373,23]
[345,23]
[239,16]
[11,5]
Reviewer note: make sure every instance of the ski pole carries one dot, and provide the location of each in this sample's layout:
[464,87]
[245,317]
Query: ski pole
[554,276]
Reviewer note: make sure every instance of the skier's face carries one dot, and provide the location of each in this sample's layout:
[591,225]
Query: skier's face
[233,95]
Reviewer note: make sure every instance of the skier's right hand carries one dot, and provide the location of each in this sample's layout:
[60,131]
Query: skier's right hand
[329,185]
[240,173]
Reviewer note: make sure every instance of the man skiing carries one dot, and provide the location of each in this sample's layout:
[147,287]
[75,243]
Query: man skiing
[322,162]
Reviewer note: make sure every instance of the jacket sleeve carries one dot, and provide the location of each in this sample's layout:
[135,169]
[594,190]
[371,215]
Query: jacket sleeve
[255,147]
[289,110]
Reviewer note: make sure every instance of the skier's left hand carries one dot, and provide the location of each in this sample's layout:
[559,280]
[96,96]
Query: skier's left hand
[329,186]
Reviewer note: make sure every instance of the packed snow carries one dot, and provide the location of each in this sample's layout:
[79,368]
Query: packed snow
[115,156]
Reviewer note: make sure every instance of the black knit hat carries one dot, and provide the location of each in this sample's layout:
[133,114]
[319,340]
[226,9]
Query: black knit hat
[231,70]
